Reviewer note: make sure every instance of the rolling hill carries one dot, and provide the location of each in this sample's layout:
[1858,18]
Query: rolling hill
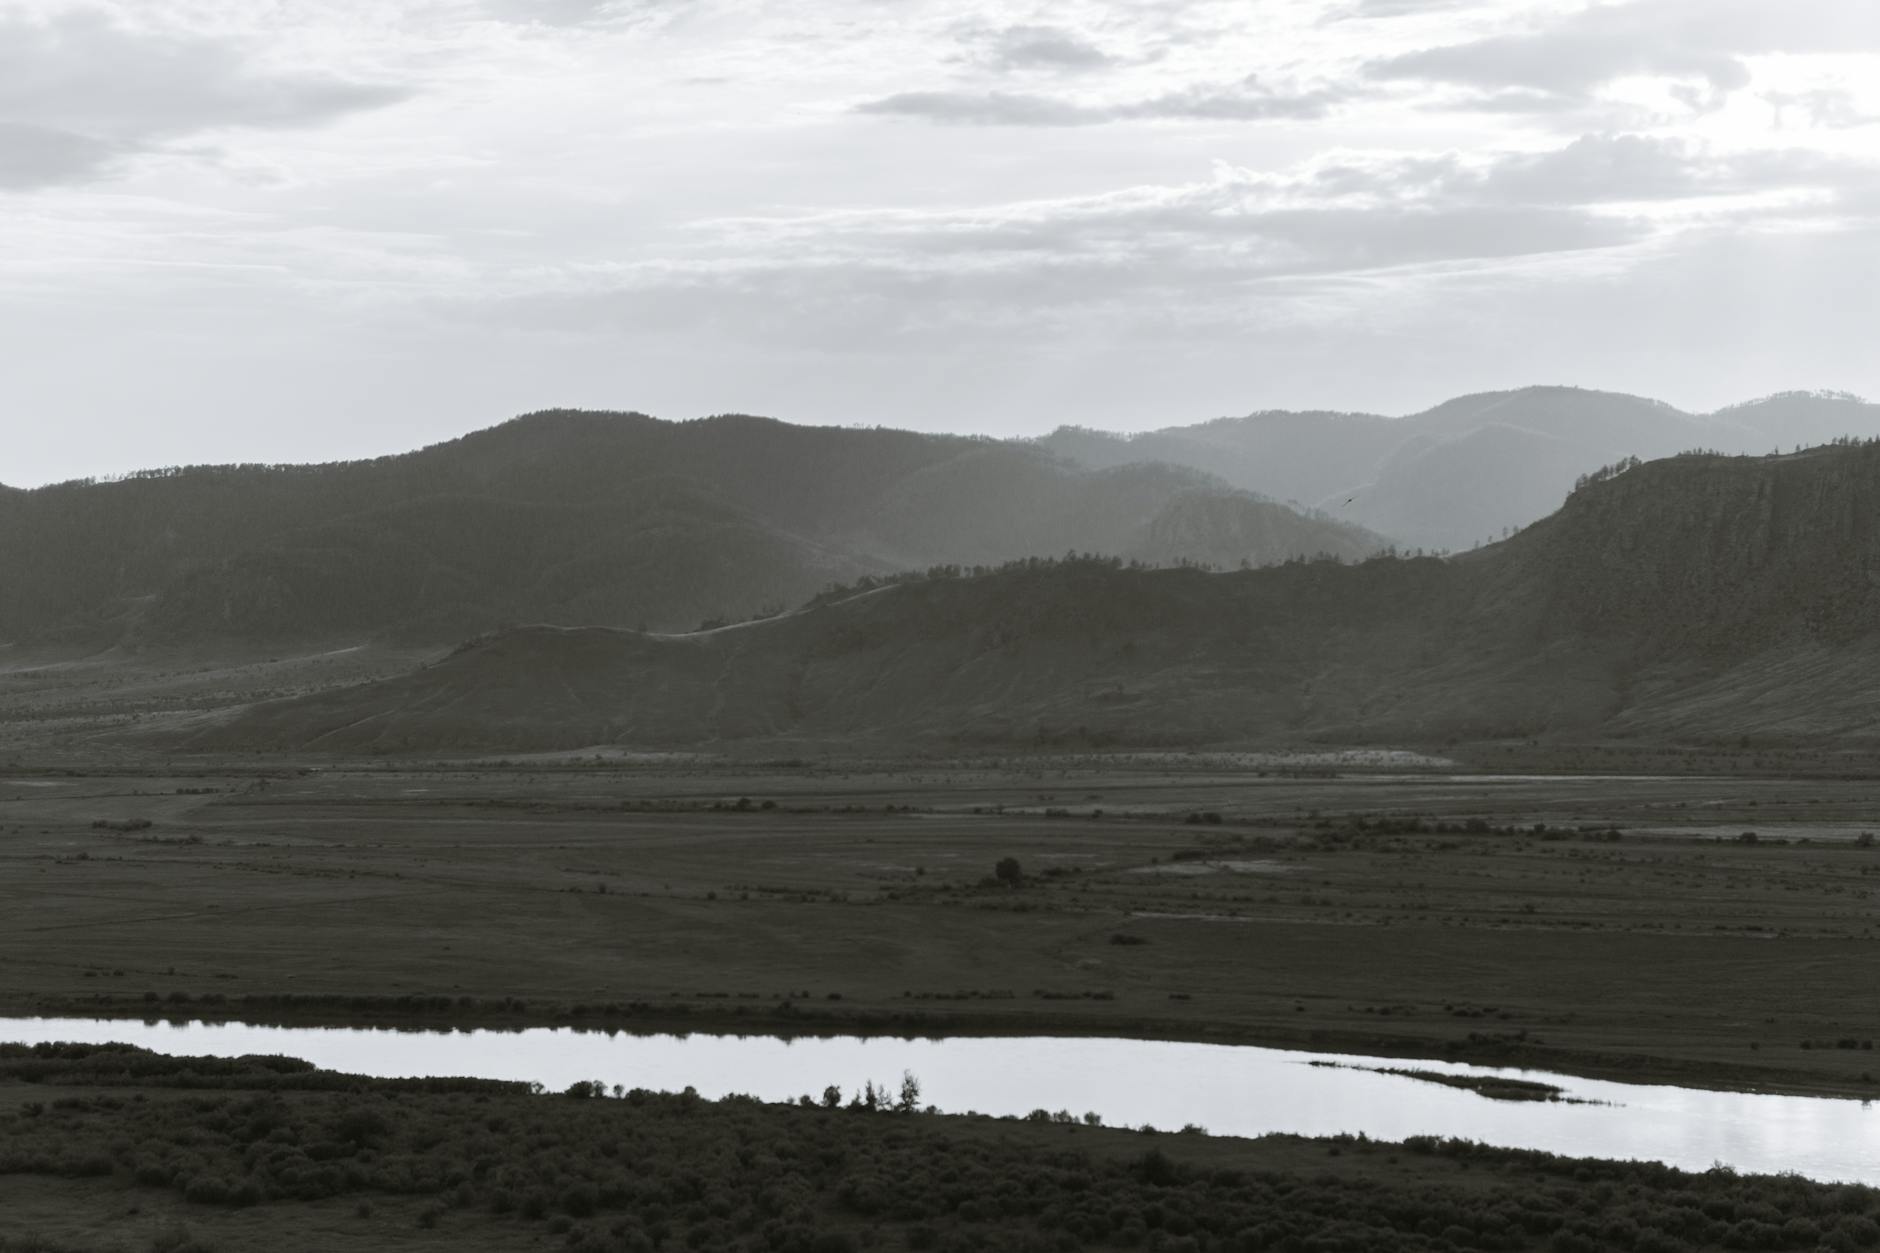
[1696,597]
[585,519]
[1471,469]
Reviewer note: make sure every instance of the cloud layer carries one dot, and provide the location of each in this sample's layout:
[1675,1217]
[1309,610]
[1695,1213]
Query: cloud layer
[1245,101]
[399,218]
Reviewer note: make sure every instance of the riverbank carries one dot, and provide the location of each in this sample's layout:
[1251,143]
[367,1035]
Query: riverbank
[787,1019]
[1233,1090]
[121,1150]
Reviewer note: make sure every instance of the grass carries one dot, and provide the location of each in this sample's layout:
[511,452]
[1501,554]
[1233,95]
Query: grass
[1494,1087]
[1403,914]
[121,1150]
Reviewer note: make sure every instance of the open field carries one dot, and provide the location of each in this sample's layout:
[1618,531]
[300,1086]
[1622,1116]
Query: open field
[1410,913]
[60,695]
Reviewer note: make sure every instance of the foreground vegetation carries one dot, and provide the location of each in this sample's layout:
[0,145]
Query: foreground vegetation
[140,1151]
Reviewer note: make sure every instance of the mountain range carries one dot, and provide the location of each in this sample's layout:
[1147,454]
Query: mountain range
[1699,597]
[1472,469]
[618,519]
[608,519]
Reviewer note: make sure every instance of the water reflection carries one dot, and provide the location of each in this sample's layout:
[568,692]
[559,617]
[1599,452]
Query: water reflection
[1228,1089]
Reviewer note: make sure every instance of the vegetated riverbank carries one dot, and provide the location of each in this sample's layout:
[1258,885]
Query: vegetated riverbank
[797,1019]
[1494,1087]
[116,1148]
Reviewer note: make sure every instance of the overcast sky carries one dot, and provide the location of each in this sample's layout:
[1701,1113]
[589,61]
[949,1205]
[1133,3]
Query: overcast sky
[308,229]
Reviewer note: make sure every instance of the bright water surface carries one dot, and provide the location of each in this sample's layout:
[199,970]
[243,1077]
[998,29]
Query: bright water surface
[1228,1089]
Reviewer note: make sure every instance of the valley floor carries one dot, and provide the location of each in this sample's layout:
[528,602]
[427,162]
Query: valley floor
[1482,917]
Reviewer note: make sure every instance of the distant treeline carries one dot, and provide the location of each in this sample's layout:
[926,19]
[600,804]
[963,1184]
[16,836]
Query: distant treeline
[1069,562]
[1616,468]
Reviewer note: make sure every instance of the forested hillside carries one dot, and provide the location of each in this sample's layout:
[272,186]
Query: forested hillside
[1702,596]
[585,519]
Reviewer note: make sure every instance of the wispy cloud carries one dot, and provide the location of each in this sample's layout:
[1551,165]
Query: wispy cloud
[79,92]
[1246,101]
[1398,8]
[1201,252]
[1701,46]
[1829,108]
[1051,48]
[580,13]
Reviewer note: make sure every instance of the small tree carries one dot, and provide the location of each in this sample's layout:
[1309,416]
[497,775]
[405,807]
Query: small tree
[1009,872]
[910,1093]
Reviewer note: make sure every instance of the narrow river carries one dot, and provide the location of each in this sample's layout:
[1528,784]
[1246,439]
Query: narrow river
[1226,1089]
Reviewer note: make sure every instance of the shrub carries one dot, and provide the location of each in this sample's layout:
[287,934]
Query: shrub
[178,1238]
[208,1190]
[1155,1168]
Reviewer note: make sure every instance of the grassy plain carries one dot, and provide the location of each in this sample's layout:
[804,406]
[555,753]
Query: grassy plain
[1407,911]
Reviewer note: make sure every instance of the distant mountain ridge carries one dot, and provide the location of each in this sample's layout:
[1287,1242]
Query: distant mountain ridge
[1699,597]
[1471,469]
[586,518]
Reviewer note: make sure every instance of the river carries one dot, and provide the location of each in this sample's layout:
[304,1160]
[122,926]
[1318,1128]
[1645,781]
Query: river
[1226,1089]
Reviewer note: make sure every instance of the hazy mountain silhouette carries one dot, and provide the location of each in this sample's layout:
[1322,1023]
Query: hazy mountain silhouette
[1701,597]
[1470,469]
[586,518]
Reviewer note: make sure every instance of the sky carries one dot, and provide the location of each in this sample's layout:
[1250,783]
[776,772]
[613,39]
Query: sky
[289,230]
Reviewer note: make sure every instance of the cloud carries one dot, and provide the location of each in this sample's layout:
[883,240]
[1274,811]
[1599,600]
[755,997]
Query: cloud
[1608,170]
[580,13]
[37,156]
[1222,233]
[1603,169]
[547,12]
[1400,8]
[1701,45]
[1564,63]
[989,108]
[78,92]
[1827,108]
[1042,48]
[1167,266]
[1635,168]
[1246,101]
[1334,232]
